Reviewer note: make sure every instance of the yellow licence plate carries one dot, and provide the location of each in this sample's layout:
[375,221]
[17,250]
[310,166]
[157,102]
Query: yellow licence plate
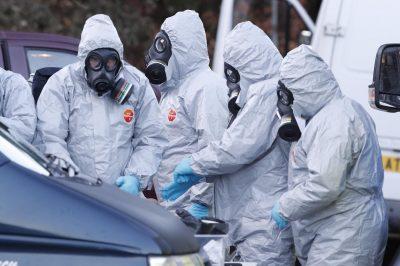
[391,163]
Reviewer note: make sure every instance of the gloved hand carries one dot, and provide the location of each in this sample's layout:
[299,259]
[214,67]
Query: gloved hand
[174,190]
[198,210]
[184,178]
[280,221]
[69,168]
[129,183]
[183,173]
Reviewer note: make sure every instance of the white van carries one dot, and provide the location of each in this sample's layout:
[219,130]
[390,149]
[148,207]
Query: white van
[347,34]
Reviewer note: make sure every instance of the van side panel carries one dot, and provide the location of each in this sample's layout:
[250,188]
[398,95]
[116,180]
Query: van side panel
[327,17]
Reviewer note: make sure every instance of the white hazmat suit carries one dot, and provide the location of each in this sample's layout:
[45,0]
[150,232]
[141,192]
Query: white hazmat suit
[103,138]
[335,202]
[193,104]
[251,157]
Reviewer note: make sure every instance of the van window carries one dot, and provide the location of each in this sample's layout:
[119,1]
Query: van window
[39,58]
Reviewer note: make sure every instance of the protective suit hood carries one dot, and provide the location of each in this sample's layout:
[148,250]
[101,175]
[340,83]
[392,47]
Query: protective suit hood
[189,44]
[99,32]
[252,53]
[310,80]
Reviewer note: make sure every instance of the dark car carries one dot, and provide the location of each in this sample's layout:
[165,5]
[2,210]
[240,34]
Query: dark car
[48,218]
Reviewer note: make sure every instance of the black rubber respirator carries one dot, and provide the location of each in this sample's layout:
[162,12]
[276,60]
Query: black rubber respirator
[288,129]
[157,59]
[102,67]
[232,81]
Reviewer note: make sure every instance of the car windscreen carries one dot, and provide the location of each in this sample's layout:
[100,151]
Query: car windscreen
[21,152]
[26,155]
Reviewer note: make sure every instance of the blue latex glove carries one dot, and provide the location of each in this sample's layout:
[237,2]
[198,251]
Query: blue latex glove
[183,173]
[280,221]
[174,190]
[198,210]
[128,183]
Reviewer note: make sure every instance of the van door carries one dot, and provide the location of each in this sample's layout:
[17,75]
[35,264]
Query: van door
[327,29]
[364,26]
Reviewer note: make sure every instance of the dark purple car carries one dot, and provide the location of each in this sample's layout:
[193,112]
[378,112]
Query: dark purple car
[24,53]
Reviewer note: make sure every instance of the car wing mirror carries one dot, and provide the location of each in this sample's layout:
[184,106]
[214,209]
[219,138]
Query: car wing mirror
[384,92]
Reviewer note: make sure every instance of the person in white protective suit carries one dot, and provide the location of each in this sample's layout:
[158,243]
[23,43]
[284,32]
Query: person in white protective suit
[334,204]
[17,107]
[193,103]
[251,157]
[100,114]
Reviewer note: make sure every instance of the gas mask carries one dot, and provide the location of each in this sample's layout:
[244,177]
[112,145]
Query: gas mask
[288,129]
[157,58]
[232,81]
[102,67]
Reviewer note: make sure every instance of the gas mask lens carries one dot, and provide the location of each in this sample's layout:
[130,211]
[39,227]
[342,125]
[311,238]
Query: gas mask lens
[95,62]
[288,129]
[111,64]
[157,59]
[285,97]
[231,74]
[160,44]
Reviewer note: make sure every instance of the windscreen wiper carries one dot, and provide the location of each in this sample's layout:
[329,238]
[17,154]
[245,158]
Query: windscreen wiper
[59,167]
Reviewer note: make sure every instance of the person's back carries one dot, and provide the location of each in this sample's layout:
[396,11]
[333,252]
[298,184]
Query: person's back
[335,202]
[364,128]
[17,107]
